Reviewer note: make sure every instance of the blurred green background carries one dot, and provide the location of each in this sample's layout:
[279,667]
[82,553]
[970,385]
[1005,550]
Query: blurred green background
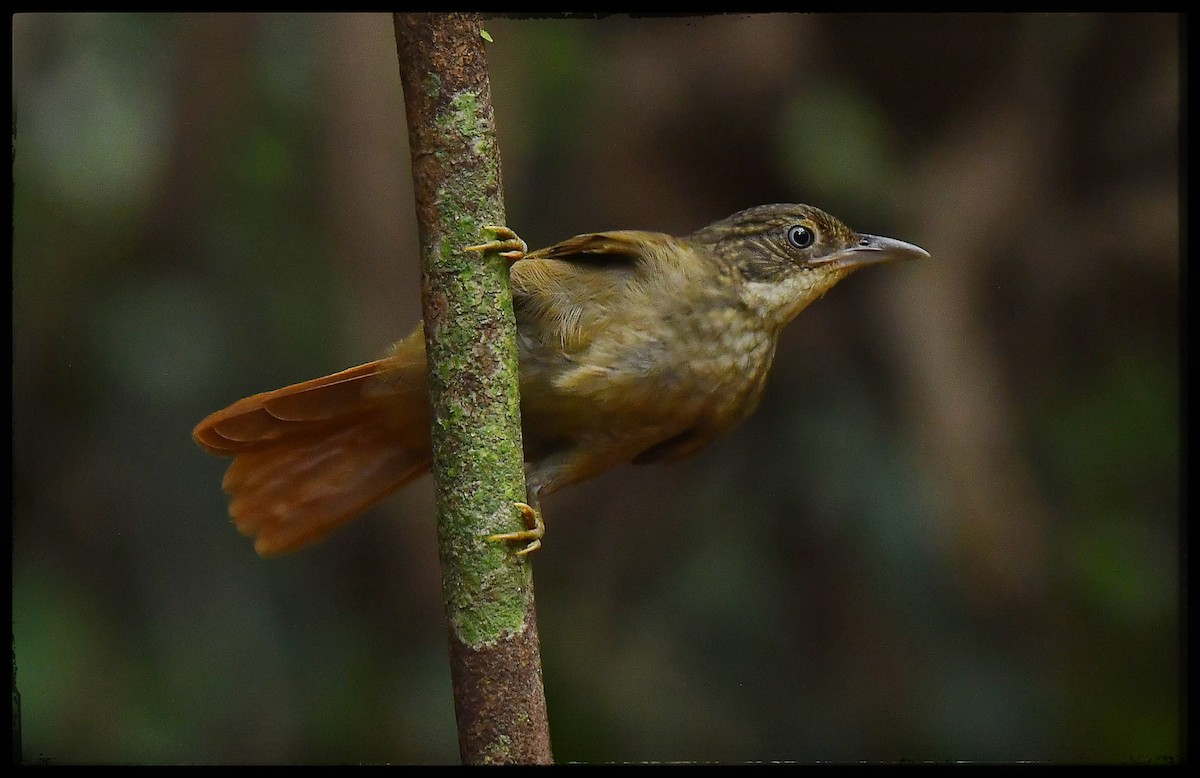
[950,532]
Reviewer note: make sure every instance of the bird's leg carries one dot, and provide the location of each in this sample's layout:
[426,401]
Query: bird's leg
[532,537]
[507,242]
[510,246]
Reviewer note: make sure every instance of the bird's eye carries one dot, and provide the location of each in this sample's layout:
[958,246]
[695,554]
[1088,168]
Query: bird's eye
[800,236]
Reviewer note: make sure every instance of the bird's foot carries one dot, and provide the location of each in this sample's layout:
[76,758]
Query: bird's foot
[532,536]
[507,242]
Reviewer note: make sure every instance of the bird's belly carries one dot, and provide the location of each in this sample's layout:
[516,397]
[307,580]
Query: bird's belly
[615,401]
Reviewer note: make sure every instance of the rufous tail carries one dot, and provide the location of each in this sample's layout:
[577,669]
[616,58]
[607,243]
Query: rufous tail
[312,456]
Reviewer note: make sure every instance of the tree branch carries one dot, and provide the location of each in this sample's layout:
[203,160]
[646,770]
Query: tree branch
[470,337]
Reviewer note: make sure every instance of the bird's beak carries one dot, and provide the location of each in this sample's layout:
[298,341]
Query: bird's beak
[871,250]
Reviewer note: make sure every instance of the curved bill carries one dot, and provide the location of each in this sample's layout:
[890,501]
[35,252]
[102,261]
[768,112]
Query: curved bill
[872,249]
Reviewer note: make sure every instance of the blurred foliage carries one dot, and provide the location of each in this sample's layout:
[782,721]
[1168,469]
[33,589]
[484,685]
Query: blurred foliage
[951,532]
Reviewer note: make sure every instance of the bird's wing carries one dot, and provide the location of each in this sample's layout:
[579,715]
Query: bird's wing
[564,292]
[623,246]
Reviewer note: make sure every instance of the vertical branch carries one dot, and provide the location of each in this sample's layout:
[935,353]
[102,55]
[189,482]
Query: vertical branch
[470,337]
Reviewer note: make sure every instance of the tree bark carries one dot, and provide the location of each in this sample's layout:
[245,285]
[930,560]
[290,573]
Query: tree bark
[470,337]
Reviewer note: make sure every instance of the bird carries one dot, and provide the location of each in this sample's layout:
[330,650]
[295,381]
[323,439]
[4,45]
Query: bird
[633,346]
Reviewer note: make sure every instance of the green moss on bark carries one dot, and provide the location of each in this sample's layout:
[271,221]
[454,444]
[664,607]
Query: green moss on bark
[470,338]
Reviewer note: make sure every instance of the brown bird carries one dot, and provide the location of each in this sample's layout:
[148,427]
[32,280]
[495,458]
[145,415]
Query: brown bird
[633,346]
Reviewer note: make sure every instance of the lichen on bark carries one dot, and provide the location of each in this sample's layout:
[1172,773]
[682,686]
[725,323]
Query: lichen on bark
[470,337]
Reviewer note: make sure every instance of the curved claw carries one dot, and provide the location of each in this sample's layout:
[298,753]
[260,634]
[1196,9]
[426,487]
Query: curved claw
[533,535]
[507,242]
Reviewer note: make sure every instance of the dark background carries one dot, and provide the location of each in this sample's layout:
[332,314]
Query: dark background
[951,532]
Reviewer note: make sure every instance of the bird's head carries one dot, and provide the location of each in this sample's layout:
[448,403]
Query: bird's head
[785,256]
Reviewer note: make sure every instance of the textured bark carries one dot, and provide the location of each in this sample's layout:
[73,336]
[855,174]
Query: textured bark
[471,344]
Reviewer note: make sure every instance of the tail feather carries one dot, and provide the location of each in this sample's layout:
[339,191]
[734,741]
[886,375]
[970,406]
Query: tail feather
[312,456]
[261,417]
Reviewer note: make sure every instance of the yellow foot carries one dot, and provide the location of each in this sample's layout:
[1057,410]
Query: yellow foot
[507,243]
[537,530]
